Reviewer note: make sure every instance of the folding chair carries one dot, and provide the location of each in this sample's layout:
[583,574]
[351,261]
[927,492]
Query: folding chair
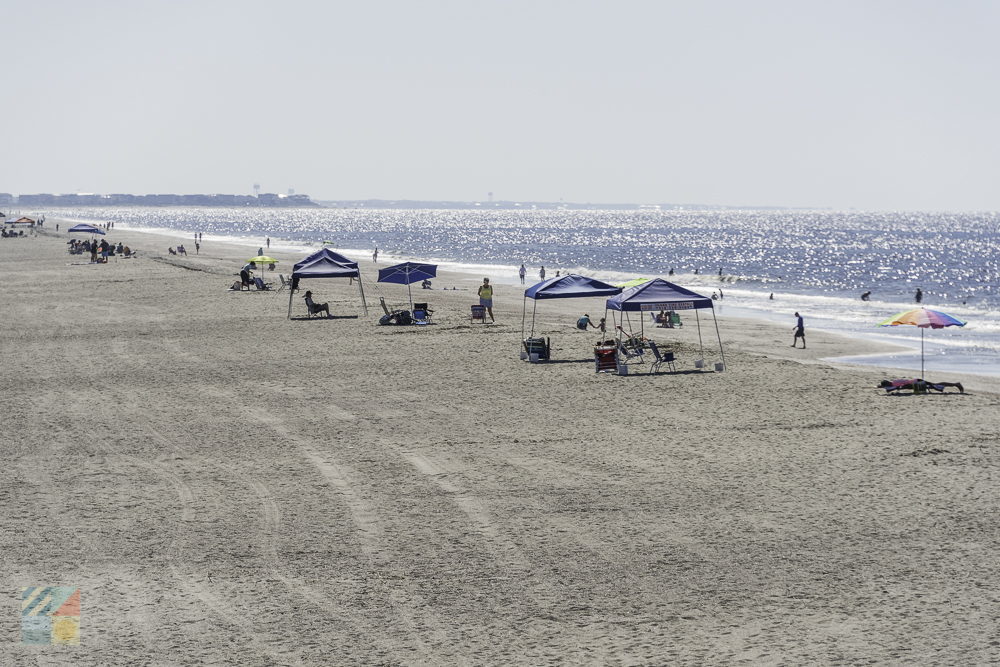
[285,284]
[478,313]
[422,307]
[660,358]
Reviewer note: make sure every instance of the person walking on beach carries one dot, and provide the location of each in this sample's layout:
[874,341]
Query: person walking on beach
[268,242]
[375,256]
[800,331]
[541,273]
[919,296]
[521,272]
[486,297]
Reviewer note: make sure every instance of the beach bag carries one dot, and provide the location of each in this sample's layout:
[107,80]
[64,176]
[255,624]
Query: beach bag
[403,317]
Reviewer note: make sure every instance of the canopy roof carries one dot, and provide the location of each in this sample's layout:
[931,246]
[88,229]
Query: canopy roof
[326,263]
[570,286]
[86,229]
[658,294]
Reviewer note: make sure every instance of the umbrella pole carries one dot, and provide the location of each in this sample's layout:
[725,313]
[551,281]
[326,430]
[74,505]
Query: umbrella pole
[409,293]
[922,354]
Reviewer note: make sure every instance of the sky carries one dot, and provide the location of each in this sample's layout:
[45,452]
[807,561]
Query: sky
[882,105]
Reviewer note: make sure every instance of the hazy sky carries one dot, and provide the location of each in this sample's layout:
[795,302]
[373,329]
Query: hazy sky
[868,104]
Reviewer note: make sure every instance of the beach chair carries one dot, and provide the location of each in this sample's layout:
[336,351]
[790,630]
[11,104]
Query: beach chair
[285,284]
[662,323]
[418,307]
[420,315]
[538,346]
[675,319]
[478,313]
[631,348]
[660,358]
[317,308]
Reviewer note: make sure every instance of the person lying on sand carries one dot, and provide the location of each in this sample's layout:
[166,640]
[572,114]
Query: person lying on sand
[913,385]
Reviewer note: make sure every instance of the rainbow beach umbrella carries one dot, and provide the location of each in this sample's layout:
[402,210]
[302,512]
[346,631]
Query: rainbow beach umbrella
[925,318]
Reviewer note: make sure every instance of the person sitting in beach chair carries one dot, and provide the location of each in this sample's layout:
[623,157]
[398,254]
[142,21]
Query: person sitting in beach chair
[260,284]
[315,308]
[918,386]
[181,250]
[662,319]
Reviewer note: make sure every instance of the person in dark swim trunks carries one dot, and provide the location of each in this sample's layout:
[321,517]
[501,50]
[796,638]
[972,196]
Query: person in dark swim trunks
[915,385]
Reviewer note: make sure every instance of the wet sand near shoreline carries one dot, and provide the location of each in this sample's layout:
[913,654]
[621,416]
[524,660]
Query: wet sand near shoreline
[228,486]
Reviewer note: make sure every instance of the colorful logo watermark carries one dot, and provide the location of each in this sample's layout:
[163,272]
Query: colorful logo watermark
[50,615]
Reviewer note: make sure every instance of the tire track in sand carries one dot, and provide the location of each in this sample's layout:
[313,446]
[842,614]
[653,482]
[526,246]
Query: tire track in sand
[266,540]
[417,623]
[146,622]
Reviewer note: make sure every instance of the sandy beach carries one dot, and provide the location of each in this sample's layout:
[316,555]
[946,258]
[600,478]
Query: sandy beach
[228,486]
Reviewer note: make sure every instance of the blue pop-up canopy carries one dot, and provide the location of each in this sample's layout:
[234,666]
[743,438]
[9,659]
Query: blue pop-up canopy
[84,228]
[325,263]
[658,294]
[570,286]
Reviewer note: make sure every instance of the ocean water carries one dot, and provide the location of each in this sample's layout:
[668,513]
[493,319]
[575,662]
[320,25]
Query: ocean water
[765,263]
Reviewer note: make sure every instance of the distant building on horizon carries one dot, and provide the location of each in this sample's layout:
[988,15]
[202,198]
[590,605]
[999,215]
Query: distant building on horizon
[268,200]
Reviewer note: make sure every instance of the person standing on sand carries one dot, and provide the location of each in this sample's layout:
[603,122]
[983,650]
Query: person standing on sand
[541,273]
[375,256]
[268,242]
[486,297]
[919,296]
[800,331]
[521,272]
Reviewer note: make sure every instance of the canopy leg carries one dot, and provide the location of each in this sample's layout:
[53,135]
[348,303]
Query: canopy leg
[290,292]
[361,288]
[719,336]
[701,345]
[534,308]
[524,313]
